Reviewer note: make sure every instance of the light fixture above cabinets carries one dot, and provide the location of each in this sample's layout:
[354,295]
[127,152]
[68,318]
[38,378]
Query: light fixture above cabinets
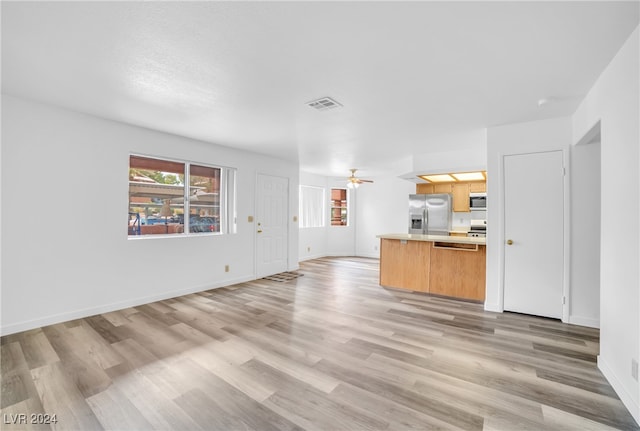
[470,176]
[439,178]
[455,177]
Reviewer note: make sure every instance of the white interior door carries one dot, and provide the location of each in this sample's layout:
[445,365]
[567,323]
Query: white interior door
[272,234]
[534,233]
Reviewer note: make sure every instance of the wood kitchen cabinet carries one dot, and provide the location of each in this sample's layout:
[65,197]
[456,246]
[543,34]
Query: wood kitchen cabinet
[458,272]
[461,197]
[478,187]
[460,192]
[405,264]
[442,188]
[442,268]
[424,189]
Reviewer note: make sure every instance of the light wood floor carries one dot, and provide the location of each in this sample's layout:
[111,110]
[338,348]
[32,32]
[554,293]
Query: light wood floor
[330,350]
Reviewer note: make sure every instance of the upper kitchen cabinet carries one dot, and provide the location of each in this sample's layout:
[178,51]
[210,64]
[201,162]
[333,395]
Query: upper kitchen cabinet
[442,188]
[424,189]
[478,187]
[461,197]
[459,184]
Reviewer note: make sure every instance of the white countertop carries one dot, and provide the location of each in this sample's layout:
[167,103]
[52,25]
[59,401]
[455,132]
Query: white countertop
[434,238]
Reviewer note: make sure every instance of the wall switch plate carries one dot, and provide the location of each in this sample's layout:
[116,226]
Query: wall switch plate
[250,219]
[295,219]
[226,268]
[634,369]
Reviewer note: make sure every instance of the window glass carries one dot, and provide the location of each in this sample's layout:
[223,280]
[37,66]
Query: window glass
[156,196]
[204,199]
[339,207]
[159,199]
[311,210]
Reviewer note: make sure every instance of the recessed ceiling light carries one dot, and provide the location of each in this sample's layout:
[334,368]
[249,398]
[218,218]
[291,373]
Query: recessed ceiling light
[324,104]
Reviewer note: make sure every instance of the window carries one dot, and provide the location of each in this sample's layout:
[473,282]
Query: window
[159,199]
[311,206]
[339,207]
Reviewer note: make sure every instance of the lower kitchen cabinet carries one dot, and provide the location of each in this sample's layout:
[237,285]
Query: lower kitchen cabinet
[440,268]
[458,272]
[404,264]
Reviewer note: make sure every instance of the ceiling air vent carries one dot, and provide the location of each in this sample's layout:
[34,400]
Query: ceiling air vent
[324,104]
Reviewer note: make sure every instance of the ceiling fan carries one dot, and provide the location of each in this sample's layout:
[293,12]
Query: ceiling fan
[353,182]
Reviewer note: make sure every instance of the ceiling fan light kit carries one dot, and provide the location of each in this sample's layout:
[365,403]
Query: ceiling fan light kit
[353,182]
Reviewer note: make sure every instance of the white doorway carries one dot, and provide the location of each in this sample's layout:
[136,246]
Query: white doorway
[272,231]
[585,230]
[534,233]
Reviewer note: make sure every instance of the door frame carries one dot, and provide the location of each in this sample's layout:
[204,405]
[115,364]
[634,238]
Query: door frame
[566,280]
[287,224]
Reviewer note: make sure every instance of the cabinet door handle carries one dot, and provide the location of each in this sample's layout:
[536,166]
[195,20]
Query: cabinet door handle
[509,242]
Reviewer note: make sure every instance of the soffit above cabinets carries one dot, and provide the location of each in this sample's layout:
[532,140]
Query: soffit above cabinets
[455,177]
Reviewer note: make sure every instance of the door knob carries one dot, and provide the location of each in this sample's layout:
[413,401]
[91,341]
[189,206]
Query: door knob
[509,242]
[259,230]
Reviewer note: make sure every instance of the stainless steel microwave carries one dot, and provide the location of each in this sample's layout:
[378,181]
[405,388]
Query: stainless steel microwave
[478,201]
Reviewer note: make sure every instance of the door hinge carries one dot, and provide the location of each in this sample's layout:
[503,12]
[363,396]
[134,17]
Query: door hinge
[564,300]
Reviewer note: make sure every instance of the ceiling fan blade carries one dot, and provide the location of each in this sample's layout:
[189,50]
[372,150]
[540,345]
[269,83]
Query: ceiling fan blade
[354,180]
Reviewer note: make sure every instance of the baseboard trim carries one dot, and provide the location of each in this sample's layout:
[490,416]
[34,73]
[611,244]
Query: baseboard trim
[91,311]
[584,321]
[310,257]
[496,308]
[371,256]
[616,384]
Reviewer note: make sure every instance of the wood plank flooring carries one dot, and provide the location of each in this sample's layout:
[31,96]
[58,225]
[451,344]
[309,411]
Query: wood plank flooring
[331,350]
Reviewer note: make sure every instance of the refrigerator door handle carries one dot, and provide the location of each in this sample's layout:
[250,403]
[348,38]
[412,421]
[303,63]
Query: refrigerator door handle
[425,217]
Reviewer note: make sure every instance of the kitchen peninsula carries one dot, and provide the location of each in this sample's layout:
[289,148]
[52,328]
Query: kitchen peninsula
[442,265]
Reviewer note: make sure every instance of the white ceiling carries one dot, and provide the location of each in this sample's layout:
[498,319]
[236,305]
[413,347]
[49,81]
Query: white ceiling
[239,73]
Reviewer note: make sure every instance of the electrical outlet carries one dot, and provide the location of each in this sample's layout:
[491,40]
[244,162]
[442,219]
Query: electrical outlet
[308,249]
[226,268]
[634,369]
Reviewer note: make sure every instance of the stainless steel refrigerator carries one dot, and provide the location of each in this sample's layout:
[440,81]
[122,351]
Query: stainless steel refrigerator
[430,214]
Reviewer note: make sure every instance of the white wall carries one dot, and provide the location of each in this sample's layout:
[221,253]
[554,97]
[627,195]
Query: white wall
[65,251]
[520,138]
[382,208]
[585,234]
[466,151]
[615,101]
